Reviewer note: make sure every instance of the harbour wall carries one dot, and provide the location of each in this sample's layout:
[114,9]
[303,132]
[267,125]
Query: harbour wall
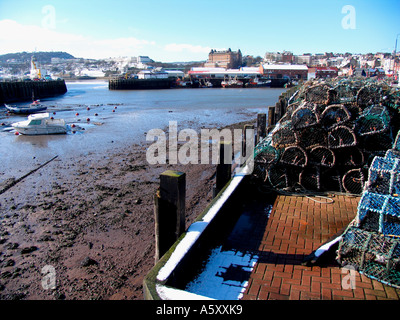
[139,84]
[15,91]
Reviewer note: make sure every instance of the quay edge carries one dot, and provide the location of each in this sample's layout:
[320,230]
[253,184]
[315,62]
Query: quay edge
[18,91]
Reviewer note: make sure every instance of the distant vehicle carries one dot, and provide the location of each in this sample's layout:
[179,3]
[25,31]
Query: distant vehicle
[41,123]
[34,107]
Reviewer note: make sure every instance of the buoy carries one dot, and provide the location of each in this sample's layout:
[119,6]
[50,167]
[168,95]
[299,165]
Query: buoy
[77,114]
[3,124]
[88,119]
[16,133]
[52,118]
[87,108]
[115,107]
[54,112]
[113,110]
[72,126]
[96,114]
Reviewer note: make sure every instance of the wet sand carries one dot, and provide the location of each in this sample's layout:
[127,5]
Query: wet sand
[90,216]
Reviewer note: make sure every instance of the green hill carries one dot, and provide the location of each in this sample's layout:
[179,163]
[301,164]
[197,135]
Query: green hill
[42,57]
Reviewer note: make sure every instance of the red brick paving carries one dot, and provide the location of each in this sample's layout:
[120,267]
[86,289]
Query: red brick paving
[296,227]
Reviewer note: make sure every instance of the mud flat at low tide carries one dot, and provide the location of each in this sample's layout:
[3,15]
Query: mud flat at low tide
[82,226]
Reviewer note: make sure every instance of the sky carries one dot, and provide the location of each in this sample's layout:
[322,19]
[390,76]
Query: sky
[186,30]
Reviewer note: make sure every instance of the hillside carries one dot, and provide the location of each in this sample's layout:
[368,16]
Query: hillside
[43,57]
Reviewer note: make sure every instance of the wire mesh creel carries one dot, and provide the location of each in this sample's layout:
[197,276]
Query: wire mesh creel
[373,120]
[294,156]
[353,181]
[384,176]
[318,93]
[340,137]
[322,156]
[372,254]
[304,117]
[335,115]
[284,136]
[369,94]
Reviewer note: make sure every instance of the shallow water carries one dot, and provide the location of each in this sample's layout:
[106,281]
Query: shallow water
[123,118]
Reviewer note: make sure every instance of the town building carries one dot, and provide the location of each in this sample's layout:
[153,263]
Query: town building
[284,71]
[283,57]
[224,59]
[147,74]
[143,59]
[322,72]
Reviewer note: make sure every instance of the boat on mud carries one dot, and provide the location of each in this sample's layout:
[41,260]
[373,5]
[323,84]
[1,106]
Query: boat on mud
[39,124]
[34,107]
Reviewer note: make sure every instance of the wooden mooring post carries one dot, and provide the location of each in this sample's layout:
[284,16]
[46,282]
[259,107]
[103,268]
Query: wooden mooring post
[169,210]
[261,127]
[271,118]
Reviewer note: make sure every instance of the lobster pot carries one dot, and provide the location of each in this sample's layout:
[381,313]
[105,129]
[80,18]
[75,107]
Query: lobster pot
[282,177]
[368,95]
[311,137]
[373,120]
[284,136]
[263,161]
[373,254]
[377,144]
[392,154]
[335,115]
[317,93]
[321,156]
[294,156]
[384,176]
[380,213]
[340,137]
[393,99]
[310,179]
[333,181]
[369,211]
[303,117]
[353,181]
[289,111]
[345,93]
[396,144]
[351,157]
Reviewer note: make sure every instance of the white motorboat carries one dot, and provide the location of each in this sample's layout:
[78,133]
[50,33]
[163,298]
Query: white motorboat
[40,123]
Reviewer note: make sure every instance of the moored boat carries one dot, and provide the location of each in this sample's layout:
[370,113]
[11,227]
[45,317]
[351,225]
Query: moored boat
[257,83]
[34,107]
[232,83]
[41,123]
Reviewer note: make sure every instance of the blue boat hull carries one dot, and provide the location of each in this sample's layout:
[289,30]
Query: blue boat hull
[25,110]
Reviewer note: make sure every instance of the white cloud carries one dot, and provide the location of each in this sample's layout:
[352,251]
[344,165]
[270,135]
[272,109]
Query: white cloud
[16,37]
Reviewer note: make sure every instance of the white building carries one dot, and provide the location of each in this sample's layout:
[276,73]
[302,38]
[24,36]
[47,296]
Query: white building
[147,74]
[143,59]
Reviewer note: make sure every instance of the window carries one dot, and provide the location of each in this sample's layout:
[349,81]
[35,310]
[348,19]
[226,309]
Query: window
[35,122]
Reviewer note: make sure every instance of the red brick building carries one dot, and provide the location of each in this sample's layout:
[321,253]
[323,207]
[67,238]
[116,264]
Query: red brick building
[323,72]
[281,71]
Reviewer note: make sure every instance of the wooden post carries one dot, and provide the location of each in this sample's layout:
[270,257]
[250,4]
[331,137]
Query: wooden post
[261,126]
[169,210]
[224,166]
[271,118]
[246,127]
